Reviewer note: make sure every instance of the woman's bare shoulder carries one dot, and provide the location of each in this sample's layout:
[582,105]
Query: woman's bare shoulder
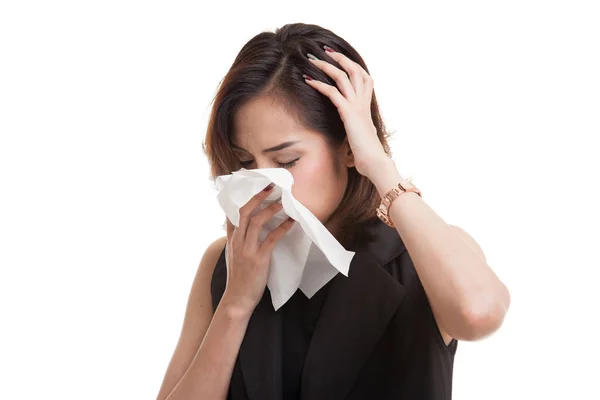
[211,255]
[200,299]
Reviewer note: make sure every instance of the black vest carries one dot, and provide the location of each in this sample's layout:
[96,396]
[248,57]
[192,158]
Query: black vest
[375,337]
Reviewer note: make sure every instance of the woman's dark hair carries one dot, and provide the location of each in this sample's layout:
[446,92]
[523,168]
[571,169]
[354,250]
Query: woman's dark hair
[272,63]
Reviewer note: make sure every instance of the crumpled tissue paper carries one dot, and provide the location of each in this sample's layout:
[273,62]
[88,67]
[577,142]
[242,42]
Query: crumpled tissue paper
[308,255]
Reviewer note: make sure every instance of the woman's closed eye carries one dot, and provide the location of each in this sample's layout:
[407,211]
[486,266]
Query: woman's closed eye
[289,164]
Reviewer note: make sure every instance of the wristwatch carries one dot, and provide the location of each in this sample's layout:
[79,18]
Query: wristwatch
[386,201]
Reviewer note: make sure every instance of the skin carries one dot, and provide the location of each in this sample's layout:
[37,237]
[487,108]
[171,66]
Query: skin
[320,174]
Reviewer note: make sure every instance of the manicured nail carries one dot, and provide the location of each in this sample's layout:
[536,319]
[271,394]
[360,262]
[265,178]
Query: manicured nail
[269,187]
[312,56]
[328,49]
[307,77]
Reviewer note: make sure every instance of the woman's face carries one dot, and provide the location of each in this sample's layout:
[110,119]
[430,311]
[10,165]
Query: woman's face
[266,137]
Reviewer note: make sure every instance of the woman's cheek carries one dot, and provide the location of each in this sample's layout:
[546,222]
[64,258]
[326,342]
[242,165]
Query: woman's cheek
[311,187]
[301,186]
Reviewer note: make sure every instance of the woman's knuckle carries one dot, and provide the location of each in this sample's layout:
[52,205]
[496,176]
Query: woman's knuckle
[256,221]
[275,209]
[337,73]
[274,234]
[268,240]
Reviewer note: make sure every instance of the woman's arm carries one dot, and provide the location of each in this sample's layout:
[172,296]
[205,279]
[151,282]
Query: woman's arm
[209,375]
[467,298]
[204,338]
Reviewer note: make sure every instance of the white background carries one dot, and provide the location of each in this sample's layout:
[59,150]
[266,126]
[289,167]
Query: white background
[106,205]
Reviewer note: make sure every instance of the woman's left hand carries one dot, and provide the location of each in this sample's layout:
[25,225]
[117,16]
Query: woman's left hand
[353,101]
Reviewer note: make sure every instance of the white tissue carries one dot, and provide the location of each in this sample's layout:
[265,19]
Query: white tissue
[308,255]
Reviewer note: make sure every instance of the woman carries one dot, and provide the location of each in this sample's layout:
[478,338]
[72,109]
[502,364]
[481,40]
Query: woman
[301,98]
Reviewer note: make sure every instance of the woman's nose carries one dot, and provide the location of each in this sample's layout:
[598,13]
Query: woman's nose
[263,164]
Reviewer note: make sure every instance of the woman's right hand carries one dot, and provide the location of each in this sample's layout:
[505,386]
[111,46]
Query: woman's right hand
[246,257]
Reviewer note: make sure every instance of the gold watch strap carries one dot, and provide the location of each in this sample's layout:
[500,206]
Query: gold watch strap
[393,194]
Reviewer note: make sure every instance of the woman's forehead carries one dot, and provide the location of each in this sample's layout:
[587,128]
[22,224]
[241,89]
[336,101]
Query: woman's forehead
[262,114]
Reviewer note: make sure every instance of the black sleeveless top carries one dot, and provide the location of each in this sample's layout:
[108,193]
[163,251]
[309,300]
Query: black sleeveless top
[300,315]
[371,335]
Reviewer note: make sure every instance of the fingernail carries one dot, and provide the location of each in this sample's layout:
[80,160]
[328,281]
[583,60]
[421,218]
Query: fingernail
[328,49]
[269,187]
[312,56]
[307,77]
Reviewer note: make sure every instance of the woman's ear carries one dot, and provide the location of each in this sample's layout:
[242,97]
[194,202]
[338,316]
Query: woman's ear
[346,153]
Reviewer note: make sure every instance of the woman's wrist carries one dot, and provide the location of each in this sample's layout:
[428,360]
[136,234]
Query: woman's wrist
[384,175]
[235,308]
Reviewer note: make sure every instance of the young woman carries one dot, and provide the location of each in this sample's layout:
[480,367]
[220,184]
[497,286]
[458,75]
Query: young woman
[302,98]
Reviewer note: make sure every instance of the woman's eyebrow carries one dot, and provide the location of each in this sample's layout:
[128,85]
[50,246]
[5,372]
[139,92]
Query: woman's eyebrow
[271,149]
